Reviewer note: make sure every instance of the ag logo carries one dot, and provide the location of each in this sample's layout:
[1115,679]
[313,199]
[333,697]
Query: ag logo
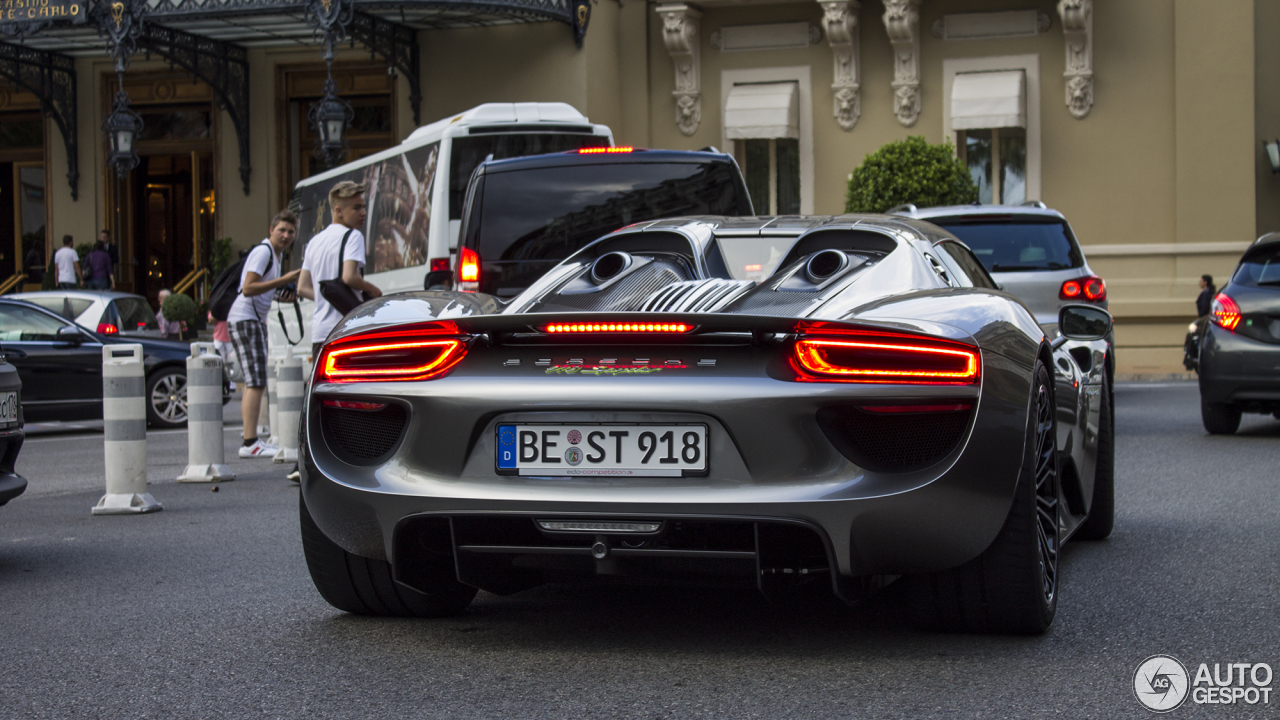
[1161,683]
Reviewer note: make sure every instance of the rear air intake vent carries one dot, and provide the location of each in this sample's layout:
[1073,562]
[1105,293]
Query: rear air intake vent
[624,294]
[896,441]
[362,437]
[697,296]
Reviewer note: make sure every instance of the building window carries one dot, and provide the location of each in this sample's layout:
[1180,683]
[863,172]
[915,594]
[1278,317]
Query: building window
[991,110]
[997,161]
[768,126]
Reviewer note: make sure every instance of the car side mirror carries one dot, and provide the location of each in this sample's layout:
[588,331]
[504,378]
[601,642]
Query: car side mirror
[1084,322]
[69,334]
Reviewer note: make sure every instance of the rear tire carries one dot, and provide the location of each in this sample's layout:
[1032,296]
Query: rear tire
[1012,587]
[364,586]
[1219,418]
[1102,511]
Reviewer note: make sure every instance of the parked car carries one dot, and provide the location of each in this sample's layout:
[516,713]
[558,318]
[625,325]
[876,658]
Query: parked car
[650,409]
[11,436]
[60,364]
[106,312]
[525,215]
[1239,357]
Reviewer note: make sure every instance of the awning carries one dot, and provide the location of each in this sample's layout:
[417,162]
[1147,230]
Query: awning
[766,110]
[989,100]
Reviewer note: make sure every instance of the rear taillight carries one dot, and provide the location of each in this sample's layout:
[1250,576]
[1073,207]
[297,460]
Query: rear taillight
[1091,288]
[411,354]
[886,360]
[1225,312]
[469,270]
[108,329]
[439,264]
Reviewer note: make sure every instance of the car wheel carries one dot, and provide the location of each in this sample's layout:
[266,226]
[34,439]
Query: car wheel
[364,586]
[1012,587]
[167,398]
[1219,418]
[1102,511]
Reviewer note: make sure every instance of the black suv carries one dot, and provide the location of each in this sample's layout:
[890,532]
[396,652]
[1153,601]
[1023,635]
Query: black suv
[524,215]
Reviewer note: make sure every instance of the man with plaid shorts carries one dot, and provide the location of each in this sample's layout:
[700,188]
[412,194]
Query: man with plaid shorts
[247,323]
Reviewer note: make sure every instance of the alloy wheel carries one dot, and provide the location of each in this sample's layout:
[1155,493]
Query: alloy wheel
[169,398]
[1047,535]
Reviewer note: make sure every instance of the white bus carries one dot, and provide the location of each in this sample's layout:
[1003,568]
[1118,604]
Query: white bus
[415,208]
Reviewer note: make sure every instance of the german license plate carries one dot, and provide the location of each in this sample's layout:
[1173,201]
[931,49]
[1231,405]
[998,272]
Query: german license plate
[602,450]
[8,408]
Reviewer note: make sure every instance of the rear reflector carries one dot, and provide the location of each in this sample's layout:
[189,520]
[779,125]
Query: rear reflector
[353,405]
[379,360]
[617,327]
[605,150]
[1226,312]
[875,360]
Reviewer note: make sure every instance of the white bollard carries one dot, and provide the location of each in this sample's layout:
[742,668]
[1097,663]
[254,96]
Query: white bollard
[124,432]
[272,398]
[264,410]
[206,446]
[289,389]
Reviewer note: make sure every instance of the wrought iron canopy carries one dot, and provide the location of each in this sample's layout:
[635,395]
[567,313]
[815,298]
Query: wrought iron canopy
[52,78]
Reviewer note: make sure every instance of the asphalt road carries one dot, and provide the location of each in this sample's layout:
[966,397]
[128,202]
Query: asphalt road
[206,610]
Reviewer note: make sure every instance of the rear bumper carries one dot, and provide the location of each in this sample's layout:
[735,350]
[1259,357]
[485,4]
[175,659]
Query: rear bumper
[11,484]
[1239,371]
[869,523]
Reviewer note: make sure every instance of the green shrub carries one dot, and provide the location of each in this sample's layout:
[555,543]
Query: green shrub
[219,256]
[83,249]
[910,171]
[179,307]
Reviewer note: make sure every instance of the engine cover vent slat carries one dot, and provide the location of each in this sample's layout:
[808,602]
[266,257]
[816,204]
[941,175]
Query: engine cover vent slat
[701,296]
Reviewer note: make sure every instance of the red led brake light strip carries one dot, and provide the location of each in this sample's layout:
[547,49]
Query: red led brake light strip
[617,327]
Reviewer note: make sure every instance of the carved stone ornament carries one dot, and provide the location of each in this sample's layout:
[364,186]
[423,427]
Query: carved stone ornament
[902,22]
[1077,27]
[680,33]
[840,22]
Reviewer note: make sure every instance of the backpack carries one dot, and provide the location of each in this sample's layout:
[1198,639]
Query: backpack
[227,287]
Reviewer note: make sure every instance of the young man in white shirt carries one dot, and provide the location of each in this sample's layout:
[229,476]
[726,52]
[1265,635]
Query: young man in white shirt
[320,261]
[247,323]
[68,263]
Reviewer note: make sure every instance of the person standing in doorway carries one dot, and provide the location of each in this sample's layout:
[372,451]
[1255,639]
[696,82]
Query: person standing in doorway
[112,251]
[247,323]
[1204,302]
[100,268]
[68,263]
[320,261]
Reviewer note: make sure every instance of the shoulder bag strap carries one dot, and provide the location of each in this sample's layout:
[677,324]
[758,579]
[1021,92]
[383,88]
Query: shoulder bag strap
[342,249]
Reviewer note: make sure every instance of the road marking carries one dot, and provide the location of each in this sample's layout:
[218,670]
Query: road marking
[175,431]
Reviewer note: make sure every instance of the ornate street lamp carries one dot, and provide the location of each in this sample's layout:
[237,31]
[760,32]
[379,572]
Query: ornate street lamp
[331,117]
[121,22]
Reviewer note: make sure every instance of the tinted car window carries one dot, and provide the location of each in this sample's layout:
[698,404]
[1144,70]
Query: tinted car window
[468,152]
[69,308]
[1018,246]
[548,213]
[965,260]
[135,314]
[1259,268]
[19,324]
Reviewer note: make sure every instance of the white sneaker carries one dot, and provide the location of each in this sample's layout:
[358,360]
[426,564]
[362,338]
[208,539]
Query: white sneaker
[258,449]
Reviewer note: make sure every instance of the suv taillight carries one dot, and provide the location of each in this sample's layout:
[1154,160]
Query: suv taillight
[469,271]
[1225,312]
[439,264]
[1090,287]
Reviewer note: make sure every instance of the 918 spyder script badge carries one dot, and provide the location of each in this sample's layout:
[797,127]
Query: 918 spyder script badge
[606,370]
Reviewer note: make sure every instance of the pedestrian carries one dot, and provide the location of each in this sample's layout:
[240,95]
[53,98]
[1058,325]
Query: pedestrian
[1204,302]
[320,262]
[112,251]
[68,263]
[247,323]
[100,268]
[169,329]
[222,343]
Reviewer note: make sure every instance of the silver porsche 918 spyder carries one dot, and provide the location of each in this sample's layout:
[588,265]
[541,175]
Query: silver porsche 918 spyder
[776,403]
